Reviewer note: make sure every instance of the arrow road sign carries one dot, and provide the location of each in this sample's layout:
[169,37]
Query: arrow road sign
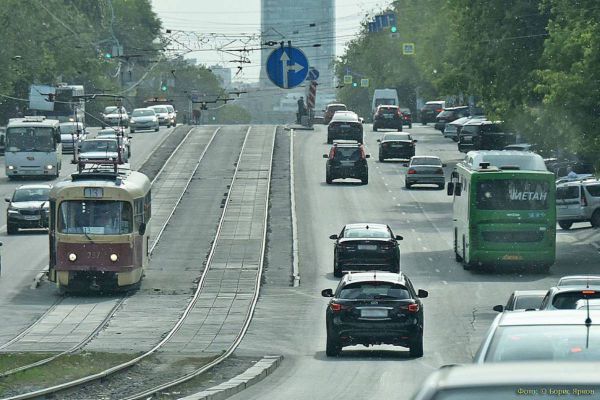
[287,67]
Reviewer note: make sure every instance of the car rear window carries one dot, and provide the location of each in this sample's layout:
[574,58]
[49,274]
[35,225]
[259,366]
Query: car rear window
[366,233]
[426,161]
[374,290]
[567,192]
[593,190]
[568,300]
[388,110]
[396,136]
[347,154]
[527,302]
[336,108]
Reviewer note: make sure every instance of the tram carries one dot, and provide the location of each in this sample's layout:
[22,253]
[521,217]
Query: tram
[99,228]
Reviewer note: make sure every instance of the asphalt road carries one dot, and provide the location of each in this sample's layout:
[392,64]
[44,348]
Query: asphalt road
[291,321]
[24,255]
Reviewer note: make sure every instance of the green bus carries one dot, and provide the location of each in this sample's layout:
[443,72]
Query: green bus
[504,210]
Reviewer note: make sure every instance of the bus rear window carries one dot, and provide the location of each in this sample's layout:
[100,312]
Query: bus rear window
[512,194]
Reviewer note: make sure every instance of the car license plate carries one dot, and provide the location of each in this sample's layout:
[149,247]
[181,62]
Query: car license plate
[345,126]
[397,145]
[374,313]
[367,247]
[31,217]
[387,116]
[511,257]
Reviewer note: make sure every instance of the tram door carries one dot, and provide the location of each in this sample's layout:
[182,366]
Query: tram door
[52,238]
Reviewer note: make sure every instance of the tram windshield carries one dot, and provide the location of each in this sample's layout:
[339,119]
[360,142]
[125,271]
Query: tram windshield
[96,217]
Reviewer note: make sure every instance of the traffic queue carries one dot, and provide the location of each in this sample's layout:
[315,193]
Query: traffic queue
[505,207]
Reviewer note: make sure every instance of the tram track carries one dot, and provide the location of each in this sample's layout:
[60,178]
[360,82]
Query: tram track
[168,336]
[121,300]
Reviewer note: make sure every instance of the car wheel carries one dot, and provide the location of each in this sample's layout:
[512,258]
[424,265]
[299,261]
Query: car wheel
[132,130]
[416,346]
[423,123]
[156,129]
[441,186]
[333,347]
[409,126]
[566,225]
[328,179]
[365,179]
[595,221]
[455,139]
[11,229]
[329,140]
[374,128]
[400,129]
[381,158]
[407,185]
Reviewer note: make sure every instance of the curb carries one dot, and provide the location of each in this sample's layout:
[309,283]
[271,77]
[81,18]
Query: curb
[295,262]
[252,375]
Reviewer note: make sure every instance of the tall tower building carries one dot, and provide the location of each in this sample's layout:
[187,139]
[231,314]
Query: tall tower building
[310,26]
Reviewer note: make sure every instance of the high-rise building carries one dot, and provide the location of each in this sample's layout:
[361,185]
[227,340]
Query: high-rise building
[310,26]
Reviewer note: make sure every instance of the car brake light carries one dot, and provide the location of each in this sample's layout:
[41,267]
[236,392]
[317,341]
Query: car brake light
[362,153]
[439,171]
[332,153]
[588,291]
[411,171]
[399,113]
[438,110]
[335,307]
[413,308]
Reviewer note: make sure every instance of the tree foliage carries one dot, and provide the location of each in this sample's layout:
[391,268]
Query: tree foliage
[533,63]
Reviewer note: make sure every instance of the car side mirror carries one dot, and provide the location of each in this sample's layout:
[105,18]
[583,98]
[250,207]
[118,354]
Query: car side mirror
[142,229]
[444,165]
[422,294]
[415,140]
[378,140]
[499,308]
[129,137]
[398,237]
[367,156]
[327,292]
[7,199]
[458,188]
[405,164]
[325,156]
[334,237]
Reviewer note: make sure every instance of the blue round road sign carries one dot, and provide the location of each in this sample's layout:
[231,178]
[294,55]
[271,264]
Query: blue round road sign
[313,74]
[287,67]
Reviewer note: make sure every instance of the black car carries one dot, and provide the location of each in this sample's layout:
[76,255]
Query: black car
[347,159]
[430,110]
[365,247]
[345,125]
[396,145]
[481,134]
[406,116]
[372,308]
[28,208]
[449,115]
[388,117]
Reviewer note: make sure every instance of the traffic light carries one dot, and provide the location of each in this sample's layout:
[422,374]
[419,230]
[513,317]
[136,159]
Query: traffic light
[163,86]
[107,55]
[394,29]
[354,84]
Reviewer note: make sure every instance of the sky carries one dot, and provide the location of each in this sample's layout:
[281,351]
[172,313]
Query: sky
[236,23]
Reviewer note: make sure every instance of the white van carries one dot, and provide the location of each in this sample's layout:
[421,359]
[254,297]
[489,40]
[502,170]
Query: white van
[385,97]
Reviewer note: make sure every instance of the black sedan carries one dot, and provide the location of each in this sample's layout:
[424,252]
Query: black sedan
[371,308]
[365,247]
[396,145]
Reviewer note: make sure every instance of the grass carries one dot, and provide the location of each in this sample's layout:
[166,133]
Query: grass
[63,369]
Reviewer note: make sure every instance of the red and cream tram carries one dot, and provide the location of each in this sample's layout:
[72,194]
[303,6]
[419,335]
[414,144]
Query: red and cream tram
[99,227]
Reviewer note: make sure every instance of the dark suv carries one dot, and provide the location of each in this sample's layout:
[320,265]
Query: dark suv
[430,110]
[372,308]
[396,145]
[331,109]
[449,115]
[347,159]
[388,117]
[366,247]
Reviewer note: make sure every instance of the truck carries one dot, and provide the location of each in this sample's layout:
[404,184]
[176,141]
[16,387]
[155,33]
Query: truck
[384,97]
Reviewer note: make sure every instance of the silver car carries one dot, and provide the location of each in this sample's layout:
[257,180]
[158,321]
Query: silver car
[143,118]
[112,134]
[578,201]
[425,169]
[71,135]
[28,208]
[115,116]
[164,117]
[512,381]
[101,149]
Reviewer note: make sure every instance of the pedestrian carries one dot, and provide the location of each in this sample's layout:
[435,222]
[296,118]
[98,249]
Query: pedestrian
[301,109]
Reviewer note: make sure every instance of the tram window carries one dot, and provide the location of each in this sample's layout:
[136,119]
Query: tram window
[97,217]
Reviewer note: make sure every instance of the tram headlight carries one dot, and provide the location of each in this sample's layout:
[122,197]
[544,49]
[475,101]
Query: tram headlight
[113,258]
[49,166]
[72,257]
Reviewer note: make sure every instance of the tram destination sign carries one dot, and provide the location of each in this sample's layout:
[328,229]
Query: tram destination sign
[93,192]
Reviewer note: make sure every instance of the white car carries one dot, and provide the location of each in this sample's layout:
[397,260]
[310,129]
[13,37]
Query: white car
[111,133]
[101,149]
[143,118]
[162,112]
[115,116]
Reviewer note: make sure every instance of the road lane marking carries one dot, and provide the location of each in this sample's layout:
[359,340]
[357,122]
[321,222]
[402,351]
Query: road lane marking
[437,270]
[295,263]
